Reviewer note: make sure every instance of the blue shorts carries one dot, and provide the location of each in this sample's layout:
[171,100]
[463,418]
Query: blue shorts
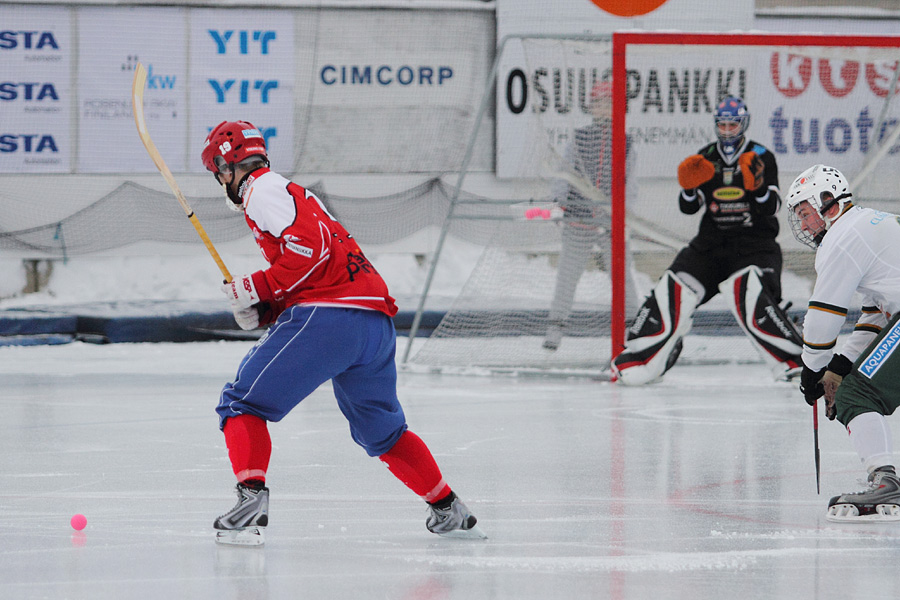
[309,345]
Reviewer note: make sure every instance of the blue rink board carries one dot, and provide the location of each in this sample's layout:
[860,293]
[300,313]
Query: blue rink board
[192,321]
[115,322]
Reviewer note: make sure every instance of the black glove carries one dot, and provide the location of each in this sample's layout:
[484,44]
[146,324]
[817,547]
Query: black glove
[811,385]
[840,365]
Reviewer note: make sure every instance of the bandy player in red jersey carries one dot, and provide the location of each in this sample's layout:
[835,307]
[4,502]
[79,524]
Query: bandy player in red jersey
[329,317]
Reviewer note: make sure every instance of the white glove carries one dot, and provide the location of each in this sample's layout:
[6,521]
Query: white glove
[247,318]
[241,292]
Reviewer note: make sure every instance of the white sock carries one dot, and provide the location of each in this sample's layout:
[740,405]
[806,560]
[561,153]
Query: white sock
[871,438]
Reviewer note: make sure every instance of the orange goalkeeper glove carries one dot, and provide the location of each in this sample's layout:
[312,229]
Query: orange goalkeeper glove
[752,169]
[694,171]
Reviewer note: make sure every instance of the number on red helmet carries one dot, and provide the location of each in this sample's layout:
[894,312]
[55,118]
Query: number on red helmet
[229,143]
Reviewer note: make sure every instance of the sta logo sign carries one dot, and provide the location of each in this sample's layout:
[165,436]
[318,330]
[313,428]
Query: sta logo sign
[629,8]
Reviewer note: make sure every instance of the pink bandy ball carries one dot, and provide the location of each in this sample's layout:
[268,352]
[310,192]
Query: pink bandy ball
[78,522]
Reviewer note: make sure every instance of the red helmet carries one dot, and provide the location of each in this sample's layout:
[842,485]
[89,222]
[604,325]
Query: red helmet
[602,90]
[231,142]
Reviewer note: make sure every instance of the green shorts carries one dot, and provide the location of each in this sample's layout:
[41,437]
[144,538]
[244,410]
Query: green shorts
[874,383]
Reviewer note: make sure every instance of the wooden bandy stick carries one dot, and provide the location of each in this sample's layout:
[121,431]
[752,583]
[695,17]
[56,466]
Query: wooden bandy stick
[137,100]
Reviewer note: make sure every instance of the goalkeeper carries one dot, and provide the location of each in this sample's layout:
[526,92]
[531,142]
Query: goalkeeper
[736,180]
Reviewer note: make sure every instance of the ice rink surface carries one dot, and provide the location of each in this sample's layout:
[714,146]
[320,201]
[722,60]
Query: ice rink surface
[702,486]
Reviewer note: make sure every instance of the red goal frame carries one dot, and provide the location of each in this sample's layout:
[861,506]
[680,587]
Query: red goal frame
[620,43]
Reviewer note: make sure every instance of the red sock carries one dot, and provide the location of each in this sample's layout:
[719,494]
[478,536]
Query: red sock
[249,447]
[411,462]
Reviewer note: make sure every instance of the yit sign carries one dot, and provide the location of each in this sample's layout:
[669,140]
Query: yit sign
[243,61]
[244,42]
[243,89]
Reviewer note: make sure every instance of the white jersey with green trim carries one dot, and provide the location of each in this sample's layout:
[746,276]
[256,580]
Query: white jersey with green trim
[859,253]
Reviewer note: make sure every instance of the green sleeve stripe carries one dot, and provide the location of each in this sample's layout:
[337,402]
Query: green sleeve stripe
[865,327]
[829,308]
[825,346]
[871,310]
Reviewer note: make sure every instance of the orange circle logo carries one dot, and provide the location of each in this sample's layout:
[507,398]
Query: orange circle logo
[629,8]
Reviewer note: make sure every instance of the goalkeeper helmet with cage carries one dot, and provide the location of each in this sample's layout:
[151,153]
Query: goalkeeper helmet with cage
[820,188]
[732,121]
[232,143]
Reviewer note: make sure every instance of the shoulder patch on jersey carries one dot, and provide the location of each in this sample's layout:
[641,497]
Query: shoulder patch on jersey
[291,243]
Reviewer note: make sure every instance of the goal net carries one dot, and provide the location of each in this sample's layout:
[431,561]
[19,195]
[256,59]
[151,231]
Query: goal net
[555,292]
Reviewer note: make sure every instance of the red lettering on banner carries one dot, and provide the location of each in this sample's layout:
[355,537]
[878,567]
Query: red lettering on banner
[791,73]
[879,77]
[848,74]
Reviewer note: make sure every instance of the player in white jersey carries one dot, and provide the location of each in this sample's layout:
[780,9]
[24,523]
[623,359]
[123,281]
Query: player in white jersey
[857,252]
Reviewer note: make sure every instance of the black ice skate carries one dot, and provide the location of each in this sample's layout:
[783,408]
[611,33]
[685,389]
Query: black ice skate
[880,501]
[453,520]
[244,525]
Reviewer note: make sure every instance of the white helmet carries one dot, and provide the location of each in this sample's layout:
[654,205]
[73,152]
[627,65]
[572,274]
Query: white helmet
[822,187]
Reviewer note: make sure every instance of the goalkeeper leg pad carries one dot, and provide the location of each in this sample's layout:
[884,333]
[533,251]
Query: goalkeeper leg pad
[653,341]
[769,328]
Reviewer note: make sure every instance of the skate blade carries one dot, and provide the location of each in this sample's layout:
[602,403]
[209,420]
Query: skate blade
[249,536]
[475,533]
[848,513]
